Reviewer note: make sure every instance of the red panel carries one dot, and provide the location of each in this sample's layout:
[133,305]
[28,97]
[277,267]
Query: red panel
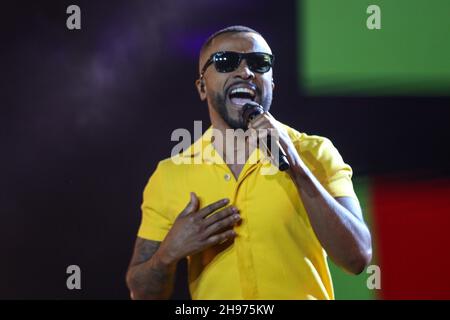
[413,232]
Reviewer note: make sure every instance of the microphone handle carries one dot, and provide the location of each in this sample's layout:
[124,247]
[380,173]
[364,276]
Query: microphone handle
[283,163]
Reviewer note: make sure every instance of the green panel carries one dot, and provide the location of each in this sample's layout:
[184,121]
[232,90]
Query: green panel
[409,55]
[348,286]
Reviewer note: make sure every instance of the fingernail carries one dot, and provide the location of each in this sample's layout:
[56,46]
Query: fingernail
[225,200]
[236,217]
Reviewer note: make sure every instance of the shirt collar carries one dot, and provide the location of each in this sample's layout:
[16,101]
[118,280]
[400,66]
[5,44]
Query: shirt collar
[203,151]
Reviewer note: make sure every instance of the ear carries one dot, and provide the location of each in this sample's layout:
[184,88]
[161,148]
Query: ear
[200,84]
[273,84]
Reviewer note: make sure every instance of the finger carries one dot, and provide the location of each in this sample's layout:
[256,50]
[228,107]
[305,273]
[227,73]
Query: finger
[261,118]
[220,215]
[263,132]
[270,115]
[221,224]
[263,127]
[212,207]
[273,120]
[217,238]
[192,206]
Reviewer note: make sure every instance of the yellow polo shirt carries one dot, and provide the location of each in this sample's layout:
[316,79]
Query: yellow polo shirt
[276,254]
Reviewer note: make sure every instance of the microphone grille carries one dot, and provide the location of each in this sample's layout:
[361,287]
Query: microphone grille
[250,111]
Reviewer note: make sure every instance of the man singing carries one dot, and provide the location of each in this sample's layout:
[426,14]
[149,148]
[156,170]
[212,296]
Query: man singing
[247,235]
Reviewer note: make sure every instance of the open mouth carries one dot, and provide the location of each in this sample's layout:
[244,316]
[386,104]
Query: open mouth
[240,96]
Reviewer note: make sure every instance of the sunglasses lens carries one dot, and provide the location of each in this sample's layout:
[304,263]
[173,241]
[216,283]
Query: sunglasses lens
[259,62]
[226,61]
[229,61]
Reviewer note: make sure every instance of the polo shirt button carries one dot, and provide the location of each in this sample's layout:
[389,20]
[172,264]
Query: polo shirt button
[227,177]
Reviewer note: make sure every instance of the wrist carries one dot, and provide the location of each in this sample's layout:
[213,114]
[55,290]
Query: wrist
[164,258]
[298,169]
[294,159]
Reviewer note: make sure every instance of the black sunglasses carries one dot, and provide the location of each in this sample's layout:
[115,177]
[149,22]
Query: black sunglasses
[228,61]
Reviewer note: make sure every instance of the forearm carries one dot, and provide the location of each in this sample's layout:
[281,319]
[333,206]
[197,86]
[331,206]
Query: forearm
[153,279]
[343,235]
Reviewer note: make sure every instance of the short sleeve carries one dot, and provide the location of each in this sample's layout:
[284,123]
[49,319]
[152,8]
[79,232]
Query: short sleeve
[329,168]
[155,223]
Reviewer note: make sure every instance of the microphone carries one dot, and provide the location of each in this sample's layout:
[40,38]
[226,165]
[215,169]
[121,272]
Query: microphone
[249,112]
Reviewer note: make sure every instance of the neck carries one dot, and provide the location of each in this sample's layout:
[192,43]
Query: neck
[235,147]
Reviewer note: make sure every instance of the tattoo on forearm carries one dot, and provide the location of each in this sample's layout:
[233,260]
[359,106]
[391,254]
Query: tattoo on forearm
[147,278]
[143,251]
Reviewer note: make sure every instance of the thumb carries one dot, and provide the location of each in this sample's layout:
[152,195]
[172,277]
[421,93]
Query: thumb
[192,206]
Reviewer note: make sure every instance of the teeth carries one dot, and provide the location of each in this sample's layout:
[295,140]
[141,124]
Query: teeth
[246,90]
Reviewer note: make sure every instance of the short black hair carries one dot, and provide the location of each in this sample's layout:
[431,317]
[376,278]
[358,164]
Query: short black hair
[230,29]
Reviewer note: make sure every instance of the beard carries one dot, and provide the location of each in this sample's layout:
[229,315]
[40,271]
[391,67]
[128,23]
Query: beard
[219,104]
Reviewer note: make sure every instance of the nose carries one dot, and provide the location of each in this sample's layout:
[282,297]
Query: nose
[244,72]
